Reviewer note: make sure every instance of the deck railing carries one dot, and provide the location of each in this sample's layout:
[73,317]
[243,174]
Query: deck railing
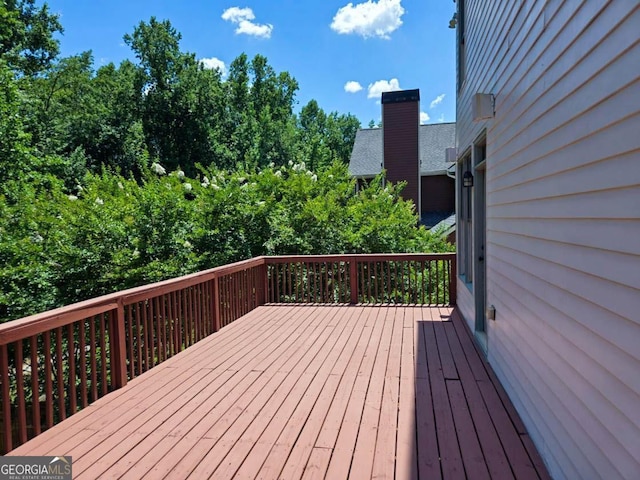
[55,363]
[381,278]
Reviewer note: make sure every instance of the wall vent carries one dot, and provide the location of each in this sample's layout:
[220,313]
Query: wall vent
[482,106]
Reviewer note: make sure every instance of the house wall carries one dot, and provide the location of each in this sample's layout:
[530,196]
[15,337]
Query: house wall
[400,146]
[438,193]
[563,221]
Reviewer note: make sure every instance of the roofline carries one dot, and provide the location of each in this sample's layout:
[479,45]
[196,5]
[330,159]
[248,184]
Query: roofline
[438,123]
[421,125]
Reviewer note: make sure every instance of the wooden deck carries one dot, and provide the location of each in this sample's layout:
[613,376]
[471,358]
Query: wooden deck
[308,391]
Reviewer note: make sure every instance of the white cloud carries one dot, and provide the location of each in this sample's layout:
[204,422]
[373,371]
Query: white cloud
[352,87]
[437,101]
[243,18]
[375,89]
[441,119]
[236,14]
[369,19]
[214,63]
[254,29]
[424,117]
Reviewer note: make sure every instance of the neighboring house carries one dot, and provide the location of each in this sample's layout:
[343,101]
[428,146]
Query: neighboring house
[548,133]
[409,152]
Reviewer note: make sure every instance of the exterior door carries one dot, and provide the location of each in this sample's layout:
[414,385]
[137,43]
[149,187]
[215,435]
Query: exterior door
[480,236]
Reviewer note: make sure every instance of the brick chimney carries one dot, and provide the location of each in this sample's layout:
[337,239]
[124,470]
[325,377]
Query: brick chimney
[400,124]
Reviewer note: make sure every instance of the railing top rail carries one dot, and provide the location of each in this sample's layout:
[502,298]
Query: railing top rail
[362,257]
[41,322]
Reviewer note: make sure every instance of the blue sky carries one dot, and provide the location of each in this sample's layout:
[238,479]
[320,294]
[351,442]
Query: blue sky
[378,45]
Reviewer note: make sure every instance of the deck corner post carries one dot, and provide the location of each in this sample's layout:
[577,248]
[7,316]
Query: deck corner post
[119,356]
[353,279]
[216,303]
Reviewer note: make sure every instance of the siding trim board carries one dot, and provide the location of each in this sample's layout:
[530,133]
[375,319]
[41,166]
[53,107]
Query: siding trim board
[563,221]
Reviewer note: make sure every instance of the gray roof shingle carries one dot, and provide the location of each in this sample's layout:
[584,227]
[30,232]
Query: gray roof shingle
[435,138]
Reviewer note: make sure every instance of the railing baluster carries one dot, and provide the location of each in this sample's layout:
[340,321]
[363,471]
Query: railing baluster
[175,344]
[93,347]
[73,402]
[166,319]
[195,308]
[35,385]
[375,281]
[244,292]
[111,359]
[153,333]
[103,354]
[130,354]
[285,286]
[315,281]
[59,374]
[438,282]
[22,404]
[82,358]
[326,283]
[139,340]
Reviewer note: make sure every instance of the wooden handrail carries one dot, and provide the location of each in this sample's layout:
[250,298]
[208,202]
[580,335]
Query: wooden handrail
[361,257]
[35,324]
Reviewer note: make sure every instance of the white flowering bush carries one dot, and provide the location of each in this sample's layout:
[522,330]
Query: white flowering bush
[57,248]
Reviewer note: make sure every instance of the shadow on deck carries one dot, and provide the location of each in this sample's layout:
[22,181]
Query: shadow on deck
[308,391]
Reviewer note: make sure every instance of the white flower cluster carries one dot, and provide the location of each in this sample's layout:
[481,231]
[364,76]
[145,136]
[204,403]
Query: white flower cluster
[158,169]
[300,167]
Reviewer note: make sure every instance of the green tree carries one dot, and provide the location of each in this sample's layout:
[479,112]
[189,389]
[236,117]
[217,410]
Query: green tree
[322,138]
[181,104]
[26,36]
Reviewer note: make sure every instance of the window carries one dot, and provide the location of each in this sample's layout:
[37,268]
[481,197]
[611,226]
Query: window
[465,237]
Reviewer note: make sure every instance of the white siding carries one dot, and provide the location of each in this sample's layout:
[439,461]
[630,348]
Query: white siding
[563,221]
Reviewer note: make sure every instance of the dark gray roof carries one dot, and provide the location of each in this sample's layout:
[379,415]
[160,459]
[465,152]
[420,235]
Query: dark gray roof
[434,220]
[435,138]
[446,224]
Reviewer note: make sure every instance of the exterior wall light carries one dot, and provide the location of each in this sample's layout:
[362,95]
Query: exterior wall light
[467,179]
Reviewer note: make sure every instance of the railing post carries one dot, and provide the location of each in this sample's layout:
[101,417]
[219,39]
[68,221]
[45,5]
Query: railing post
[119,355]
[453,280]
[353,279]
[216,303]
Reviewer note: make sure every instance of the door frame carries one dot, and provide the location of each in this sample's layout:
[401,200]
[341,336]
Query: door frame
[479,161]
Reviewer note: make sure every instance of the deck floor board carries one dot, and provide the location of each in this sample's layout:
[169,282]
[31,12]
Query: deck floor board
[308,392]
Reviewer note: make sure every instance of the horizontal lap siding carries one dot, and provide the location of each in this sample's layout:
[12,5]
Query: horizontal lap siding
[563,221]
